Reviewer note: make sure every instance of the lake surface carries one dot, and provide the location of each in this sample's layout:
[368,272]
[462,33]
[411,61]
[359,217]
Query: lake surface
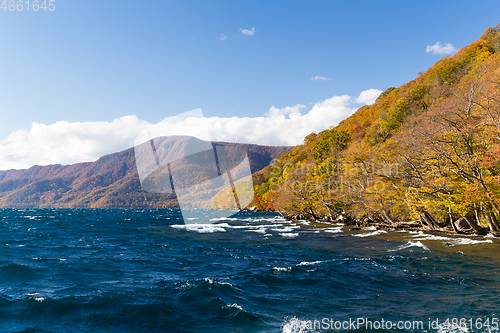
[144,270]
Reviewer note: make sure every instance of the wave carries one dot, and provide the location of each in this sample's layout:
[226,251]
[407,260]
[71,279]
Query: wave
[332,230]
[368,234]
[295,325]
[308,263]
[202,228]
[260,230]
[450,241]
[234,305]
[282,269]
[411,244]
[286,229]
[18,271]
[289,234]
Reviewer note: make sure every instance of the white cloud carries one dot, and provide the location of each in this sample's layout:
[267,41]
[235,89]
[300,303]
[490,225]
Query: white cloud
[438,48]
[66,143]
[368,97]
[320,78]
[247,32]
[222,37]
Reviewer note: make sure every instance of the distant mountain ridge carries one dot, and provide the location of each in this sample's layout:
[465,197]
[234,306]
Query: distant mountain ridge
[111,181]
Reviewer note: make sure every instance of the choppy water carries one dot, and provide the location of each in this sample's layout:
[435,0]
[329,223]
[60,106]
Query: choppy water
[144,270]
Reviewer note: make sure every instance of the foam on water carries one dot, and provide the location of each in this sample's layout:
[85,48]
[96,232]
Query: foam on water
[370,228]
[212,281]
[333,230]
[223,219]
[444,328]
[286,229]
[260,230]
[308,263]
[289,234]
[369,234]
[450,240]
[411,244]
[202,228]
[282,269]
[236,306]
[295,325]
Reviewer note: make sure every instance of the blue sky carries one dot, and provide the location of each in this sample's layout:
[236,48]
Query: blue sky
[98,61]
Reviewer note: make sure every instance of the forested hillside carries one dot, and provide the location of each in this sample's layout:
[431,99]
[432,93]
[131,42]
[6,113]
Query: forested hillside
[426,153]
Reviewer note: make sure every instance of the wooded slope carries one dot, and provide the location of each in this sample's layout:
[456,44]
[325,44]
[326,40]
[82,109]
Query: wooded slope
[427,151]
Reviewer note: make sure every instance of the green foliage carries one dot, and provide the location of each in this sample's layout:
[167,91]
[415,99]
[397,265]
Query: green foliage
[329,142]
[386,93]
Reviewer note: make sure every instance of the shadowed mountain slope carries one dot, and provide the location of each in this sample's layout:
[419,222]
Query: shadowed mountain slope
[111,181]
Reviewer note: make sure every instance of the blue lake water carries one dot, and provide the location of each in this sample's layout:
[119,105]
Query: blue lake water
[144,270]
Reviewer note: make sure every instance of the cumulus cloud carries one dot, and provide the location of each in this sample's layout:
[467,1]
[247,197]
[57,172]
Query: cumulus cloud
[368,97]
[319,78]
[222,37]
[65,143]
[438,48]
[247,32]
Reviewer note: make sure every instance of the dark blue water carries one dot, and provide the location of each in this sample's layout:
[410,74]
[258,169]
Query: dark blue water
[143,270]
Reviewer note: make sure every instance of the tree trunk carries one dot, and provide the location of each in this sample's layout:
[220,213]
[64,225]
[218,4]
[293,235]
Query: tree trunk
[453,224]
[386,217]
[426,222]
[494,218]
[311,211]
[477,216]
[492,226]
[496,210]
[477,229]
[429,220]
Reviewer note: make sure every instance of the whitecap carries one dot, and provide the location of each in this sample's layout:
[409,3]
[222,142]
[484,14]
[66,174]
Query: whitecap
[308,263]
[289,234]
[450,328]
[234,305]
[210,281]
[286,229]
[465,241]
[295,325]
[451,240]
[202,228]
[411,244]
[262,231]
[207,230]
[223,218]
[282,269]
[377,232]
[333,230]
